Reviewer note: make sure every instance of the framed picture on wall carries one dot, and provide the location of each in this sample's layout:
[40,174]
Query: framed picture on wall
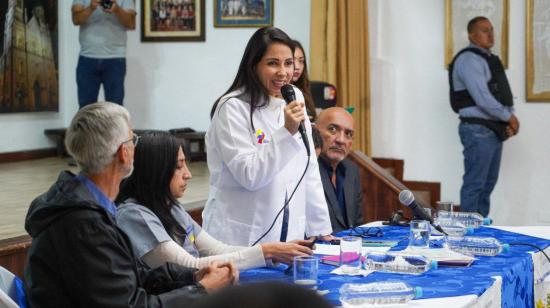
[243,13]
[538,51]
[166,21]
[457,15]
[29,78]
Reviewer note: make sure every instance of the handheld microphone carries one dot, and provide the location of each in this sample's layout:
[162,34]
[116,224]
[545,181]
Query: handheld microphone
[288,94]
[406,198]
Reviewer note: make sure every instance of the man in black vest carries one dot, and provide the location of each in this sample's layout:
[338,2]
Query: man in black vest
[481,95]
[340,176]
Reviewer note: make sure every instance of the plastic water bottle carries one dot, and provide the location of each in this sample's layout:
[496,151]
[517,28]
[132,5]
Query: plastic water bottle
[377,293]
[453,227]
[479,246]
[468,219]
[398,263]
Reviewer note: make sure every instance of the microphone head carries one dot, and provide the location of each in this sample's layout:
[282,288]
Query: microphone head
[288,93]
[406,197]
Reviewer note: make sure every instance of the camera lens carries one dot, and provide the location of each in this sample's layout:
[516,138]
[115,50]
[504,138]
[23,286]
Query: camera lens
[107,4]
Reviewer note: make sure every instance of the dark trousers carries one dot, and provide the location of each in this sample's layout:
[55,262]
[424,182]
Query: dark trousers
[91,73]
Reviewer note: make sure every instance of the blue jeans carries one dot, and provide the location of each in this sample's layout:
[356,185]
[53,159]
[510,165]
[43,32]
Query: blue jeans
[482,153]
[91,73]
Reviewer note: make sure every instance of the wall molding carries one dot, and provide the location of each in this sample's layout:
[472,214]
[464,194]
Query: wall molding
[11,157]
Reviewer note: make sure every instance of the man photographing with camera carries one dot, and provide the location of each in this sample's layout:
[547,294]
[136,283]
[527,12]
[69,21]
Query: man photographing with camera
[103,25]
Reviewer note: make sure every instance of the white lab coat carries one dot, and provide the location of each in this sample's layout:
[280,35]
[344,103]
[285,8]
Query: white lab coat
[250,180]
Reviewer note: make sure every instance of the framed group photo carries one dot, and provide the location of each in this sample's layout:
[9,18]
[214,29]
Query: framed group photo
[457,15]
[243,13]
[167,20]
[538,51]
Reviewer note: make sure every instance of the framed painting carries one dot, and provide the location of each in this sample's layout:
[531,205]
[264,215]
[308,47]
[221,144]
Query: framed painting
[457,15]
[168,21]
[538,51]
[243,13]
[29,80]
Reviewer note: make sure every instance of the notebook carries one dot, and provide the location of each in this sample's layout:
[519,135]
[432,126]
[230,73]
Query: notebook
[335,260]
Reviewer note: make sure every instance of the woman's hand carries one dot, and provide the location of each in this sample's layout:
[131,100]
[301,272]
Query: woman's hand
[285,252]
[217,275]
[294,115]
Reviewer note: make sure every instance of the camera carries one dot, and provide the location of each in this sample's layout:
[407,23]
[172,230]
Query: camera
[106,4]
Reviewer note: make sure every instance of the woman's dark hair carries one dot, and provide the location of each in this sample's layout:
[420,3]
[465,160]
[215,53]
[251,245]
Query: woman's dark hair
[155,161]
[246,78]
[316,136]
[303,84]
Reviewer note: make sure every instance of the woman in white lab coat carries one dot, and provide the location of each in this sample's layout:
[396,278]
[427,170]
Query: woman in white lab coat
[256,156]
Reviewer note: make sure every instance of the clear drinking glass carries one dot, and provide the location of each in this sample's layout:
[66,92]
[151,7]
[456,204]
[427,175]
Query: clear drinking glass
[428,211]
[350,254]
[419,236]
[306,271]
[444,206]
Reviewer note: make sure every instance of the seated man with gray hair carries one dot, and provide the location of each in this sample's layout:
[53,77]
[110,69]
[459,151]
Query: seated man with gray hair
[78,256]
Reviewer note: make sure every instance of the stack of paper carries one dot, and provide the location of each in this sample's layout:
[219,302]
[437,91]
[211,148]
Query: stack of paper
[443,256]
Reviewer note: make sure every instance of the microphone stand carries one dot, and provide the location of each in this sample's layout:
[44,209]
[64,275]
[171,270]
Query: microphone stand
[396,220]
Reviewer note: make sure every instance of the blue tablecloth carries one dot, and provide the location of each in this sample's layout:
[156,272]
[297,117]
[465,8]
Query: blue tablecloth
[515,267]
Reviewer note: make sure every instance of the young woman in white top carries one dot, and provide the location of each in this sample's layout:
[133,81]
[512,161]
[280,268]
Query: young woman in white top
[257,160]
[161,230]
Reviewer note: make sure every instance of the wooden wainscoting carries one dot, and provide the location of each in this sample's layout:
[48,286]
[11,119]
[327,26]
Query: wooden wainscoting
[11,157]
[381,187]
[428,192]
[393,166]
[13,253]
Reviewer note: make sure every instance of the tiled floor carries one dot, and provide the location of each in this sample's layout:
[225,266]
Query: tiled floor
[21,182]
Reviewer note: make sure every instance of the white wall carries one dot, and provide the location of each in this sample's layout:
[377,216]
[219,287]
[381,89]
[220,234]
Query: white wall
[412,118]
[168,85]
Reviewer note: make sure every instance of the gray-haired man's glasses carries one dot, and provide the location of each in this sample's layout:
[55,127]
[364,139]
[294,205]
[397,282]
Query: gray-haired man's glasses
[135,139]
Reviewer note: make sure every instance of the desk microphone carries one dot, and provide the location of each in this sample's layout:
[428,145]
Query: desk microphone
[406,198]
[288,94]
[396,219]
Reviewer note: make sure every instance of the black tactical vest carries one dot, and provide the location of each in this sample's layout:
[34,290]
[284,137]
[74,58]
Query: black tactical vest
[498,85]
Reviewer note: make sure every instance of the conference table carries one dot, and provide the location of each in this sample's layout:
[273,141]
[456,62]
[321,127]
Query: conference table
[517,278]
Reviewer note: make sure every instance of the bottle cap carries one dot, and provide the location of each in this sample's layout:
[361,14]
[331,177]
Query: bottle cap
[487,221]
[469,230]
[505,248]
[417,292]
[433,264]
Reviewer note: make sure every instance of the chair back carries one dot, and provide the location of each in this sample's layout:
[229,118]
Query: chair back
[324,94]
[8,289]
